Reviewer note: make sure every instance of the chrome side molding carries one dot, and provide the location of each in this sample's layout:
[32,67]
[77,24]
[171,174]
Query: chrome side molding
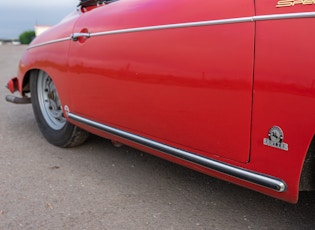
[269,17]
[266,181]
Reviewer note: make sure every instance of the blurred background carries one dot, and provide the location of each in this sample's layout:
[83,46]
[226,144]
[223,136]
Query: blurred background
[18,17]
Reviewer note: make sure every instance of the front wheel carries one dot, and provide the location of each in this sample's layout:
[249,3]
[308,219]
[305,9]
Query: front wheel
[49,115]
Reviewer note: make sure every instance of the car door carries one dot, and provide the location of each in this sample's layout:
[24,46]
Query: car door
[177,72]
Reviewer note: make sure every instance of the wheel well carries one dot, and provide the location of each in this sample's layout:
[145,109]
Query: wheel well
[307,180]
[26,81]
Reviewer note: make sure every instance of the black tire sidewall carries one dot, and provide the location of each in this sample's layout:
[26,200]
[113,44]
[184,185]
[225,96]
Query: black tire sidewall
[60,137]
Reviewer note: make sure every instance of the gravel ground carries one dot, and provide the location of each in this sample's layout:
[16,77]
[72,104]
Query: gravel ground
[98,186]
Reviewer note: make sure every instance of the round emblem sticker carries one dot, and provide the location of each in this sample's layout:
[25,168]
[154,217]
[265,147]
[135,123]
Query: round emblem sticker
[275,139]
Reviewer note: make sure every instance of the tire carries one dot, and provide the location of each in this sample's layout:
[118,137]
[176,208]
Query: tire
[49,114]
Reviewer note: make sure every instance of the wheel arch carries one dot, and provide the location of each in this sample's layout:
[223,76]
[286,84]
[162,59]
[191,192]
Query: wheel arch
[307,179]
[26,80]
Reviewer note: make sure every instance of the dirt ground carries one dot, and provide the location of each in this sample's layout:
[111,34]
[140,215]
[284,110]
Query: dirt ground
[98,186]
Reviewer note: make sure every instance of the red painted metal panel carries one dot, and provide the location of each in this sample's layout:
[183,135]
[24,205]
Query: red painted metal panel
[284,96]
[187,87]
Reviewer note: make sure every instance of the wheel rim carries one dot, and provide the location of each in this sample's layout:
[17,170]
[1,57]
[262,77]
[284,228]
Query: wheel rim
[49,102]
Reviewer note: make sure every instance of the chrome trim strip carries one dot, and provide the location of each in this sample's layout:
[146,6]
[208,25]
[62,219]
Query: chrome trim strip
[49,42]
[284,16]
[189,24]
[175,26]
[208,23]
[239,173]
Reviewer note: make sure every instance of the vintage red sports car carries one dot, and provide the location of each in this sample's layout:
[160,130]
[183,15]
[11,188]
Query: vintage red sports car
[223,87]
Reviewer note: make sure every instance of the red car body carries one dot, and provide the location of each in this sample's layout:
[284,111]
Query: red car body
[223,87]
